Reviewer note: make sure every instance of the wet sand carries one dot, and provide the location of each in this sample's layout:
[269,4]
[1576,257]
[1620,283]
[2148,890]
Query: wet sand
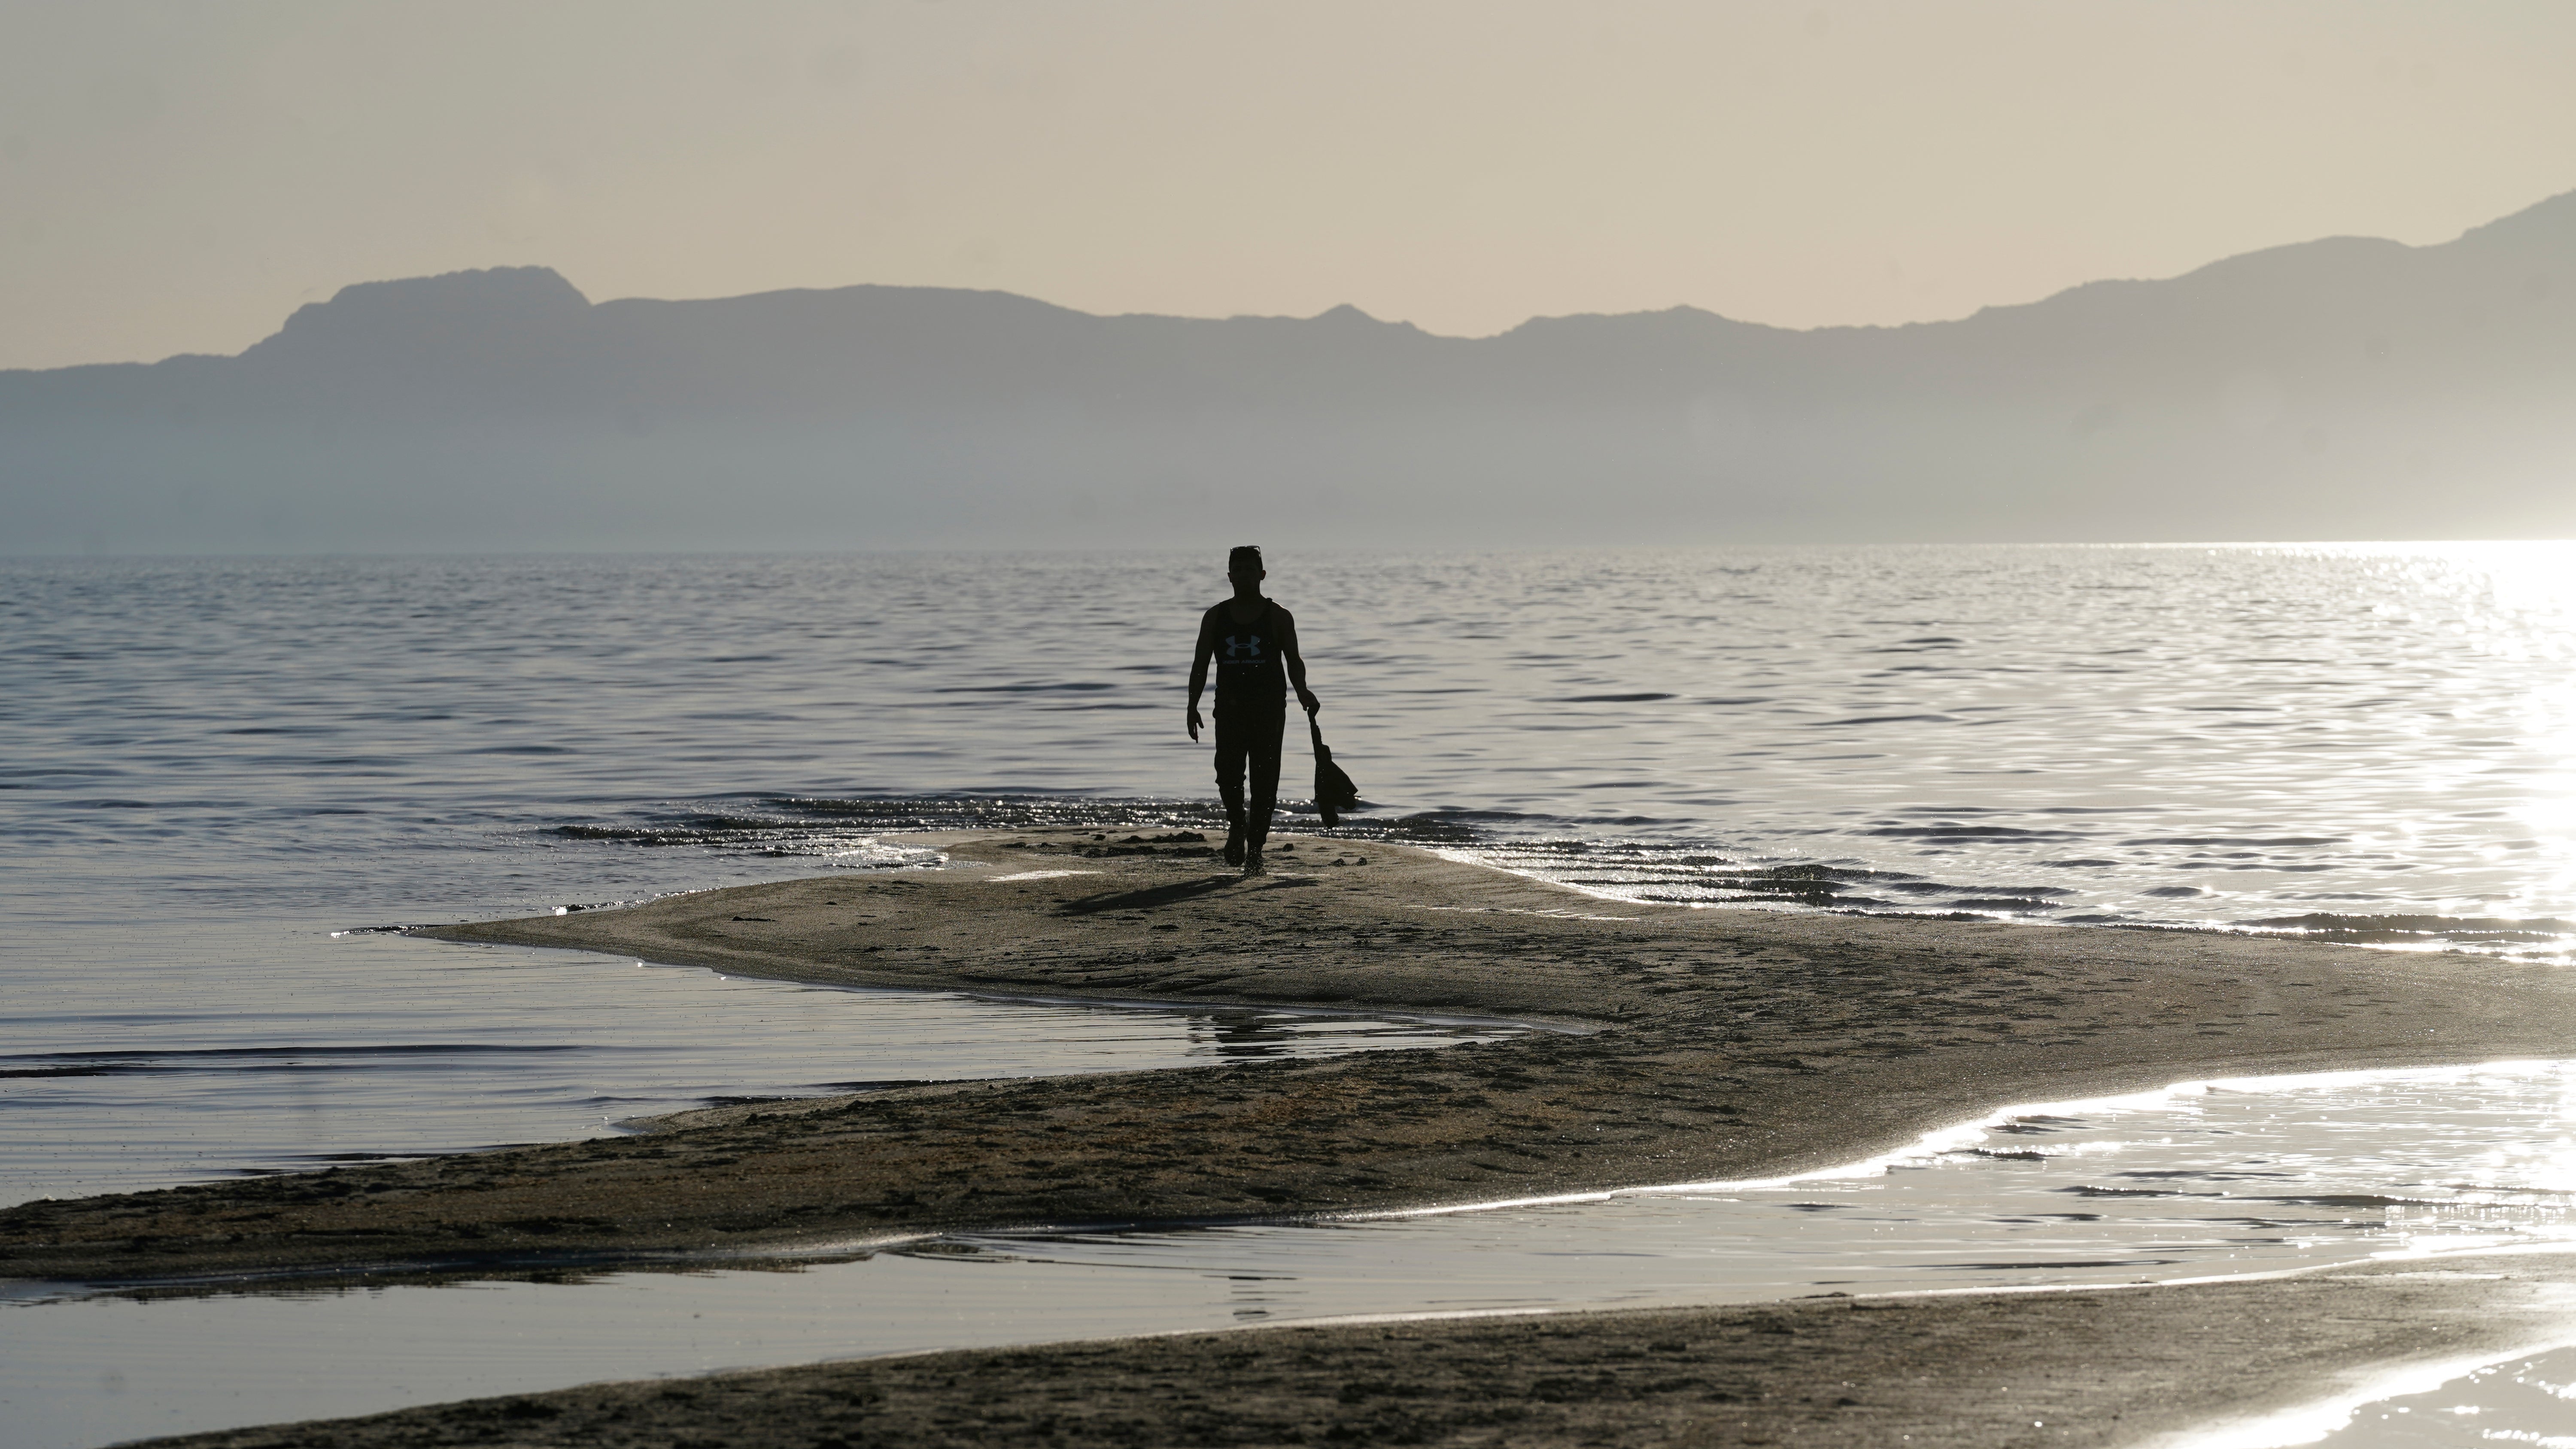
[1700,1045]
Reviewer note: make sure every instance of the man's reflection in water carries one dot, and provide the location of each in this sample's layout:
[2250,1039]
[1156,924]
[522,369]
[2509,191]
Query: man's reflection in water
[1244,1034]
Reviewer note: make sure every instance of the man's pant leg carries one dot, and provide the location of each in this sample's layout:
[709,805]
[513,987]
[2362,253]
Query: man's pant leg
[1265,729]
[1232,747]
[1249,737]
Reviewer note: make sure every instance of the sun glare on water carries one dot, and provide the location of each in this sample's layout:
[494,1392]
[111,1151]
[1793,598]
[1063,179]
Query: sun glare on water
[2515,603]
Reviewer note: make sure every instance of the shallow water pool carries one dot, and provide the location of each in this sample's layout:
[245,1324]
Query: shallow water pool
[2529,1399]
[317,1051]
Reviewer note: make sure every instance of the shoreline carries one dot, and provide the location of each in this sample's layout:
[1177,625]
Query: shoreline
[1714,1045]
[820,1253]
[796,1257]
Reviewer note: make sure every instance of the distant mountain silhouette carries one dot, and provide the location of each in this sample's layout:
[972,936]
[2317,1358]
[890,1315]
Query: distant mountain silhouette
[2344,388]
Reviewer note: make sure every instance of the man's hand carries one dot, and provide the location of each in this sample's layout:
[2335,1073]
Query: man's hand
[1307,698]
[1195,722]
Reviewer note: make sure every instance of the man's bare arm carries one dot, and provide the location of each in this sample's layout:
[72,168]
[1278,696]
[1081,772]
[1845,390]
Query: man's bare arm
[1296,664]
[1199,656]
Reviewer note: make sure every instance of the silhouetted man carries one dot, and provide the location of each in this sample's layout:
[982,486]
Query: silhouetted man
[1254,644]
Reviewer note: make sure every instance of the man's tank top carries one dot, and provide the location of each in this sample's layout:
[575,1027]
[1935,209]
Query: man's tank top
[1248,666]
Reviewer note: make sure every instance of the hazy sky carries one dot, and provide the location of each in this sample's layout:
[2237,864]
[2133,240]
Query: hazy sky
[177,177]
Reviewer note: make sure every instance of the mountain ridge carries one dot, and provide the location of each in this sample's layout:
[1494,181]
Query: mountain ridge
[2345,386]
[528,281]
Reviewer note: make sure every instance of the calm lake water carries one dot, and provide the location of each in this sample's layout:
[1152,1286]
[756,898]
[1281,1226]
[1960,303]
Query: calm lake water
[212,765]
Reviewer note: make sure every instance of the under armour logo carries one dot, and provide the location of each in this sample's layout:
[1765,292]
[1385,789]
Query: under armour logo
[1248,645]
